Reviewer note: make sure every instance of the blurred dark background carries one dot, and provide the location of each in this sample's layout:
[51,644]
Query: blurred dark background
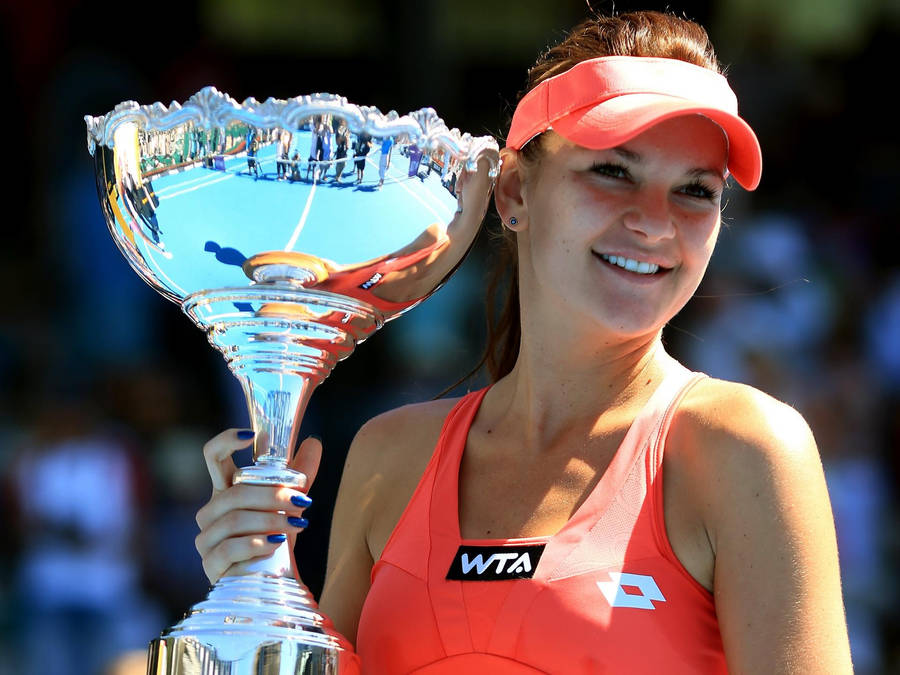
[107,392]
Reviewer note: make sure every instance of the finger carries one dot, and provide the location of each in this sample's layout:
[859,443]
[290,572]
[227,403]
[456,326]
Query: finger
[217,452]
[249,497]
[241,523]
[236,550]
[307,459]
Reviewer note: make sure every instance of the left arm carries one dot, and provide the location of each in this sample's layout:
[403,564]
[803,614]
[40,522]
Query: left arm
[768,518]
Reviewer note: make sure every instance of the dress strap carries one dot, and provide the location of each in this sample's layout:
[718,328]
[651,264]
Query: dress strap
[405,545]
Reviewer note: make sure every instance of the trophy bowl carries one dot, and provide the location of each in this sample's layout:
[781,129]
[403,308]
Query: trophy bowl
[289,231]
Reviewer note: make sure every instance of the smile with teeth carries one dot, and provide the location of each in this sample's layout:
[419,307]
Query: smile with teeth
[631,265]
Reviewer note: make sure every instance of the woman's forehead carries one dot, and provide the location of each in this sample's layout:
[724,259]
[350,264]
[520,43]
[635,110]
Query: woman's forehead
[692,139]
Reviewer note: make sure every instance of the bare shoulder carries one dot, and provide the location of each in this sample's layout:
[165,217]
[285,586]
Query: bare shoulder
[385,462]
[738,445]
[742,412]
[383,467]
[752,474]
[399,436]
[735,429]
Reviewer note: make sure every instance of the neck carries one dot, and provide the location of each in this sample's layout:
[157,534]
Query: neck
[559,389]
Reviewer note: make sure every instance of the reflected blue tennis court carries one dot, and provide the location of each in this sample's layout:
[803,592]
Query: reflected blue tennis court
[229,212]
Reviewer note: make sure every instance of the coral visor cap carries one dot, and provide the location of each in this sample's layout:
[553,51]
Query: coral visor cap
[603,102]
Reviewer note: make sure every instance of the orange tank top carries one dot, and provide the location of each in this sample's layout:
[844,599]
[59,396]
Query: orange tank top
[605,594]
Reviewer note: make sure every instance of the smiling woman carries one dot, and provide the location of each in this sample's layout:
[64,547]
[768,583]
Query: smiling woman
[598,507]
[647,210]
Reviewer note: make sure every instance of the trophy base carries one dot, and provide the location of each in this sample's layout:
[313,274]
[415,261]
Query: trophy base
[253,625]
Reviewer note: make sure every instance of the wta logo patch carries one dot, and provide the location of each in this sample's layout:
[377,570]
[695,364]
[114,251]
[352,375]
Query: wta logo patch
[374,279]
[495,563]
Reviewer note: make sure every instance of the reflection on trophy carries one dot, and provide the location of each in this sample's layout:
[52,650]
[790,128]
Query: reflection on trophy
[287,233]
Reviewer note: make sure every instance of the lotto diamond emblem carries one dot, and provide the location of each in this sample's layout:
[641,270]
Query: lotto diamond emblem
[615,593]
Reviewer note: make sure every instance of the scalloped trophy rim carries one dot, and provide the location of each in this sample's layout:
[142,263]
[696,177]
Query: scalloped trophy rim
[211,108]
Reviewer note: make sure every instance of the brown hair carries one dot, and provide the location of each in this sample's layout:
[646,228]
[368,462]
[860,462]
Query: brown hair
[651,34]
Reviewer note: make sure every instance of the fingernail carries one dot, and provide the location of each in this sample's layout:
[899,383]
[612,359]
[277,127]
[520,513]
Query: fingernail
[298,522]
[318,438]
[246,434]
[277,538]
[301,500]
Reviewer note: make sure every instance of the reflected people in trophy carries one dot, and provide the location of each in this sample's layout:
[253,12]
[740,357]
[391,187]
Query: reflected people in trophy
[342,146]
[281,160]
[295,166]
[384,159]
[284,149]
[360,151]
[252,151]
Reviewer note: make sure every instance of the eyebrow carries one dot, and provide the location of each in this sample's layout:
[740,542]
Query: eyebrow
[627,154]
[697,173]
[694,173]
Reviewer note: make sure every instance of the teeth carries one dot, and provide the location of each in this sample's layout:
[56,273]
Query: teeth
[631,265]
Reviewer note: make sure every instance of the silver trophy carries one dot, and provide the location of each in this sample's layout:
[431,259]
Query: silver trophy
[289,231]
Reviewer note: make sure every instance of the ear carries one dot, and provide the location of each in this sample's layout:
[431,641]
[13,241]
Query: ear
[508,193]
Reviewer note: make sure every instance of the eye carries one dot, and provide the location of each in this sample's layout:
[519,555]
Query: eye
[610,170]
[700,190]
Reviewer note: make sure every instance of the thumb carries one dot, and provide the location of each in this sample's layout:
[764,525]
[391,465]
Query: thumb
[306,460]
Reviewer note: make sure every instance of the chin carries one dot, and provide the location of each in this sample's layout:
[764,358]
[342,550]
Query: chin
[620,329]
[630,320]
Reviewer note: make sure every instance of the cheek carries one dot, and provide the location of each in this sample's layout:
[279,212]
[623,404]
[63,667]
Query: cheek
[700,238]
[556,236]
[564,211]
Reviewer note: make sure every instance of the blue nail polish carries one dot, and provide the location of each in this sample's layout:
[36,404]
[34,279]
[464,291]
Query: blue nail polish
[301,500]
[298,522]
[277,538]
[246,434]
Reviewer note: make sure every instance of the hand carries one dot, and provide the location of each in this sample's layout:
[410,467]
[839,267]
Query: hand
[238,521]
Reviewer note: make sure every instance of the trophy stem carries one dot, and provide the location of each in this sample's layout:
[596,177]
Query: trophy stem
[280,342]
[276,402]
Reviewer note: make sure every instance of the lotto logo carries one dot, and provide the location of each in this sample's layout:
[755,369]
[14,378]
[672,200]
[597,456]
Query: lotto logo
[615,593]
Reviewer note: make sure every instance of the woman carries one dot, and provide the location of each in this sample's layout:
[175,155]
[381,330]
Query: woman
[360,151]
[384,160]
[316,147]
[342,143]
[599,508]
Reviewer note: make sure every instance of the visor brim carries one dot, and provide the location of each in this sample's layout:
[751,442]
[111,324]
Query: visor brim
[619,119]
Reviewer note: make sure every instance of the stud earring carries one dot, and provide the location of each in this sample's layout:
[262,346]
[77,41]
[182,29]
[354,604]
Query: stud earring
[513,221]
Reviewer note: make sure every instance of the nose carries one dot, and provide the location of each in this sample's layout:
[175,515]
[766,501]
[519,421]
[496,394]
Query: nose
[650,215]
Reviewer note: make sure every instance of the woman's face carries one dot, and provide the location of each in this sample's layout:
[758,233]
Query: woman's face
[621,236]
